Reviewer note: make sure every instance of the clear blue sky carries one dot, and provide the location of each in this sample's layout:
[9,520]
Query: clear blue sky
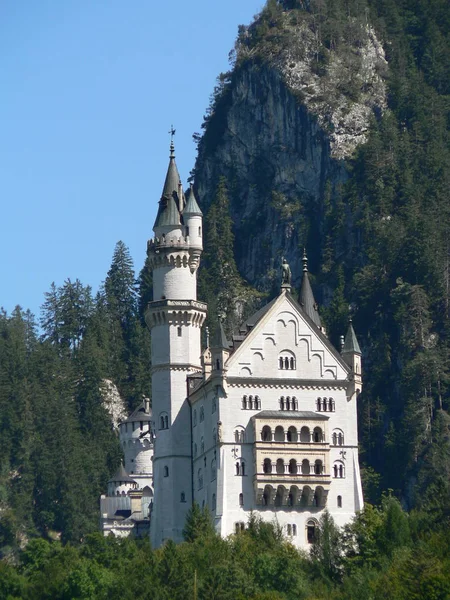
[89,89]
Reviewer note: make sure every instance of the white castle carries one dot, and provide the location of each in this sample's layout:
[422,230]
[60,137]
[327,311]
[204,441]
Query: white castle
[263,423]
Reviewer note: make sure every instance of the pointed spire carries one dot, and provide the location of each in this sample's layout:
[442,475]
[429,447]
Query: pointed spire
[306,298]
[168,211]
[122,476]
[192,207]
[219,339]
[351,345]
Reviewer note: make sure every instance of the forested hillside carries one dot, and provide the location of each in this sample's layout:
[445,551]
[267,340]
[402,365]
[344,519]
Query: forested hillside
[329,132]
[57,445]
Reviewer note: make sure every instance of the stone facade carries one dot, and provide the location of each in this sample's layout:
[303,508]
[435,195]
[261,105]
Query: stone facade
[265,423]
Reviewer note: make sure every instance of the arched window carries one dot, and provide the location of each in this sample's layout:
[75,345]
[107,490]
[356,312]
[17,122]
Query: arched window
[291,499]
[292,434]
[294,403]
[280,466]
[282,403]
[202,414]
[319,404]
[279,434]
[213,502]
[166,471]
[286,360]
[288,403]
[311,526]
[305,435]
[338,470]
[244,402]
[250,402]
[266,434]
[289,529]
[257,403]
[294,529]
[183,497]
[213,469]
[337,438]
[305,467]
[266,496]
[318,467]
[195,417]
[267,465]
[317,435]
[200,479]
[242,468]
[163,421]
[324,404]
[241,499]
[339,501]
[236,436]
[331,404]
[293,466]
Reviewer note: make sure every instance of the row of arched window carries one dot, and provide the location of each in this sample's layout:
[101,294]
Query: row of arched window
[280,496]
[293,467]
[325,405]
[305,435]
[286,363]
[288,403]
[251,403]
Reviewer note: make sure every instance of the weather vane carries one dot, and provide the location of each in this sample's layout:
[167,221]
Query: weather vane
[172,133]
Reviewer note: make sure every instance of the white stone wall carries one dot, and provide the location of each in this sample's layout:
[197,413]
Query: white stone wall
[174,283]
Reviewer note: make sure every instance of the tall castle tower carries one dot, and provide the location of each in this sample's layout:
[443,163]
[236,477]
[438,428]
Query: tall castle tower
[175,319]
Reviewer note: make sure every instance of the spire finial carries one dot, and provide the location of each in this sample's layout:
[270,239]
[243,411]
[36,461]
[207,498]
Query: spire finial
[172,146]
[305,261]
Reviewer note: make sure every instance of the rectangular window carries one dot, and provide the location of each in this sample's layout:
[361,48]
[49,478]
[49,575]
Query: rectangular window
[180,331]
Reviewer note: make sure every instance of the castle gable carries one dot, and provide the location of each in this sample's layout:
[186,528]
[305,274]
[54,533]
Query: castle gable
[284,343]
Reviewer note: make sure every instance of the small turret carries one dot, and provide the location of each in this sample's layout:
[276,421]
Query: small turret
[351,353]
[192,219]
[306,298]
[220,348]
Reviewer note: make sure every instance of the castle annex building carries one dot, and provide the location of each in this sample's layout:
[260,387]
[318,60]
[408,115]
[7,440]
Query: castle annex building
[264,422]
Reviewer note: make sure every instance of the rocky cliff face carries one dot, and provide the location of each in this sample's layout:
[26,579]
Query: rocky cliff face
[280,133]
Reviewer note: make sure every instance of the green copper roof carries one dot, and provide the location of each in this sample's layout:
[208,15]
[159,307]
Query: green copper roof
[192,208]
[351,342]
[306,298]
[168,213]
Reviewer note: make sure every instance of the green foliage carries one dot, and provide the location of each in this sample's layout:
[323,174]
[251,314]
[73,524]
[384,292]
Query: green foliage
[198,524]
